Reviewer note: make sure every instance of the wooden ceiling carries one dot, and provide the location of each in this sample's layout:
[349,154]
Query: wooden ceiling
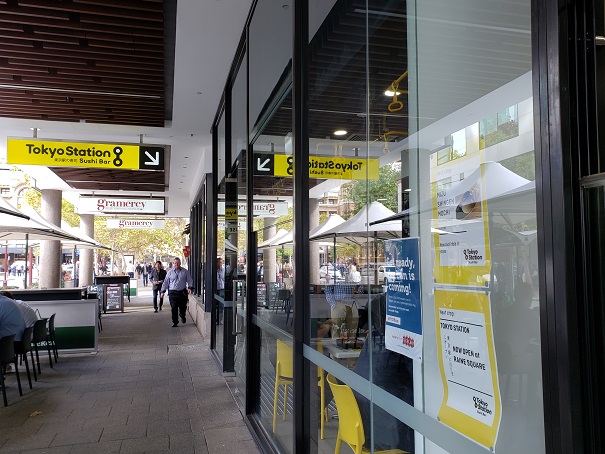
[98,61]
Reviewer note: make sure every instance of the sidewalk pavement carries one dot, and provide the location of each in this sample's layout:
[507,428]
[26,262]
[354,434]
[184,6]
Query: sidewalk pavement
[150,388]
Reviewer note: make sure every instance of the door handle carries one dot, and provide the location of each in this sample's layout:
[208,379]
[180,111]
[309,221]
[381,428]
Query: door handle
[234,330]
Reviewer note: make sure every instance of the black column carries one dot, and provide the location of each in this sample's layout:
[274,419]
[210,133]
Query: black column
[300,127]
[558,214]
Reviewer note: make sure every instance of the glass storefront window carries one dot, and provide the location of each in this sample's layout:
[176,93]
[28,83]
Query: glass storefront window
[423,303]
[425,296]
[270,120]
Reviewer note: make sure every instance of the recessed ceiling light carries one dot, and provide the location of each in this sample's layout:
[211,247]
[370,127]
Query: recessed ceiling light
[340,132]
[391,93]
[185,166]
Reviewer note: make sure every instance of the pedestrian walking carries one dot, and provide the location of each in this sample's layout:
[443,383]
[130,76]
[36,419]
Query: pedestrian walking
[179,284]
[146,271]
[158,274]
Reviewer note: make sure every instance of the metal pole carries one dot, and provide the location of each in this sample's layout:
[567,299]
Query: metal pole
[31,264]
[25,271]
[5,264]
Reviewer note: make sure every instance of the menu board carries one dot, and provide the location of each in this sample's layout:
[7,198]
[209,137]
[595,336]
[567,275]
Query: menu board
[114,298]
[261,294]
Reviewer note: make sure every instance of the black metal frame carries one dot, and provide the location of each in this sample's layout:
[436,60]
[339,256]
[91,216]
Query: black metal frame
[558,43]
[300,151]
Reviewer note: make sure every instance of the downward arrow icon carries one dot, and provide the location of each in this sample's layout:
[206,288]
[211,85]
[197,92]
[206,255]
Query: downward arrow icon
[154,161]
[261,167]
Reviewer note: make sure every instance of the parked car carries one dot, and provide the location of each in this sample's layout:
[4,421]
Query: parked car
[388,273]
[332,271]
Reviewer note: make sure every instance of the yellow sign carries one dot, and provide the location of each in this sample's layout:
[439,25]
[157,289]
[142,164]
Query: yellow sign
[80,154]
[231,213]
[325,167]
[467,363]
[331,167]
[462,263]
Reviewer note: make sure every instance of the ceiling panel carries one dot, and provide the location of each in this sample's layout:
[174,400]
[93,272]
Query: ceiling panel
[97,61]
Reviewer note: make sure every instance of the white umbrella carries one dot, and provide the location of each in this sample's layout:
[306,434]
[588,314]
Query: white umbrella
[26,228]
[271,241]
[18,228]
[230,246]
[83,241]
[501,185]
[7,208]
[35,216]
[332,221]
[359,228]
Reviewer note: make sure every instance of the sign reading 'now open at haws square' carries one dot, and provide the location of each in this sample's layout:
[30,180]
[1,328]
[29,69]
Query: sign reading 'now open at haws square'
[120,205]
[53,153]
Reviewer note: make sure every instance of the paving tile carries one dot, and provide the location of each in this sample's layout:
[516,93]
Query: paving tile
[156,428]
[85,435]
[57,450]
[102,447]
[134,395]
[124,431]
[145,444]
[24,443]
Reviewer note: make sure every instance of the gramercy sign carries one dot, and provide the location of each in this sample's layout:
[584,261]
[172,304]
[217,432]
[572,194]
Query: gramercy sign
[105,205]
[136,224]
[261,209]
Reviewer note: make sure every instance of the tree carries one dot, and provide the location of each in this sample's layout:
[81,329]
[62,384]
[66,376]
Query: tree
[33,198]
[384,189]
[142,243]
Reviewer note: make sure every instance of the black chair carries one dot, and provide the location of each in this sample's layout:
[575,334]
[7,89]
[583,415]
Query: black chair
[24,346]
[7,356]
[40,336]
[283,299]
[51,337]
[288,307]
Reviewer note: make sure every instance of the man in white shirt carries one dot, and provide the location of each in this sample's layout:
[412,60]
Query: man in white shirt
[179,284]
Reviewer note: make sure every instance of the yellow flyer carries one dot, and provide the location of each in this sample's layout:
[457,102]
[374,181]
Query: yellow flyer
[471,399]
[467,359]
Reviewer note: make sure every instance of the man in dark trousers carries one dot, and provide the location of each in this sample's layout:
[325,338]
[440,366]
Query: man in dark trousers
[158,274]
[179,284]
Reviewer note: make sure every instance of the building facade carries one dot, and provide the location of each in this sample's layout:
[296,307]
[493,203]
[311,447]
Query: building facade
[489,299]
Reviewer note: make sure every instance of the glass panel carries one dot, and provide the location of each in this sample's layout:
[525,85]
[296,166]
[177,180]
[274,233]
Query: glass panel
[270,45]
[219,297]
[239,147]
[470,83]
[270,117]
[436,112]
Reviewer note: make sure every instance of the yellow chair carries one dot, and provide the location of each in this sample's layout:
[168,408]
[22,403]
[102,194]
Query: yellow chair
[284,375]
[350,425]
